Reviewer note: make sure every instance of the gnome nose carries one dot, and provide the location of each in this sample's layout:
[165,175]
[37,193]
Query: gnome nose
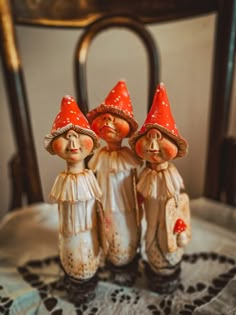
[108,118]
[72,143]
[154,144]
[154,136]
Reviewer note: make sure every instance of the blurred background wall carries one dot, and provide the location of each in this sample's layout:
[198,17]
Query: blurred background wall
[186,62]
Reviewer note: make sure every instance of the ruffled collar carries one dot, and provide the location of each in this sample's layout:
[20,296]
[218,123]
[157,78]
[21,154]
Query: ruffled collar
[69,187]
[160,184]
[114,161]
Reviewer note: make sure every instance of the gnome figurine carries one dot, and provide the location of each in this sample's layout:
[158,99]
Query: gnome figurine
[78,196]
[161,187]
[115,166]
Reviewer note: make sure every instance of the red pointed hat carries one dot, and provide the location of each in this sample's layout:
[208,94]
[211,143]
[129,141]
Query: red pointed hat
[69,117]
[160,117]
[118,102]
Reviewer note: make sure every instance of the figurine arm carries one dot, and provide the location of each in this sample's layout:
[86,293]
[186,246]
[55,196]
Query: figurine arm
[101,226]
[138,199]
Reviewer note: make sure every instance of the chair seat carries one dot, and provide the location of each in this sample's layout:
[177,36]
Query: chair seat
[31,278]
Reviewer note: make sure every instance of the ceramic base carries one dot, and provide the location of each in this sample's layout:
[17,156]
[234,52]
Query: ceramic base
[80,291]
[126,274]
[163,282]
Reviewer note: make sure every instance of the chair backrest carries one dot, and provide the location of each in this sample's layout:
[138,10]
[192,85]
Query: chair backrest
[94,16]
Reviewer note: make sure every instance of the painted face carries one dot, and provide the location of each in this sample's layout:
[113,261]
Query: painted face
[111,127]
[155,147]
[72,146]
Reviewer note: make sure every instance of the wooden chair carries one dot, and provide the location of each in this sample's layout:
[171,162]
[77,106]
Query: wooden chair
[93,17]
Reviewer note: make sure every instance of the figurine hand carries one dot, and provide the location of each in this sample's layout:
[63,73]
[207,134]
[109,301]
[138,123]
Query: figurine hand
[107,224]
[140,200]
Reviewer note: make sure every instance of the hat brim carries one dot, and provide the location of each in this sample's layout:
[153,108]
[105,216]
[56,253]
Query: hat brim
[48,139]
[178,140]
[103,108]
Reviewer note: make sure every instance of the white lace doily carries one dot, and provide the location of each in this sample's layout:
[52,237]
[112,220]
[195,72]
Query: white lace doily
[31,277]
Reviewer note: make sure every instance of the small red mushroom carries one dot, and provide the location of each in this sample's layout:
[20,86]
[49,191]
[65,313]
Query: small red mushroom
[180,226]
[179,229]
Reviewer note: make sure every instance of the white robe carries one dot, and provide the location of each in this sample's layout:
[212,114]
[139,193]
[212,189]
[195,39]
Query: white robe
[79,248]
[157,186]
[113,169]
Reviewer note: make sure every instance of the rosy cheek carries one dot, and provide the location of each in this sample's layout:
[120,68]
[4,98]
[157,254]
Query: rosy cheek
[171,152]
[139,147]
[88,144]
[96,125]
[123,127]
[57,146]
